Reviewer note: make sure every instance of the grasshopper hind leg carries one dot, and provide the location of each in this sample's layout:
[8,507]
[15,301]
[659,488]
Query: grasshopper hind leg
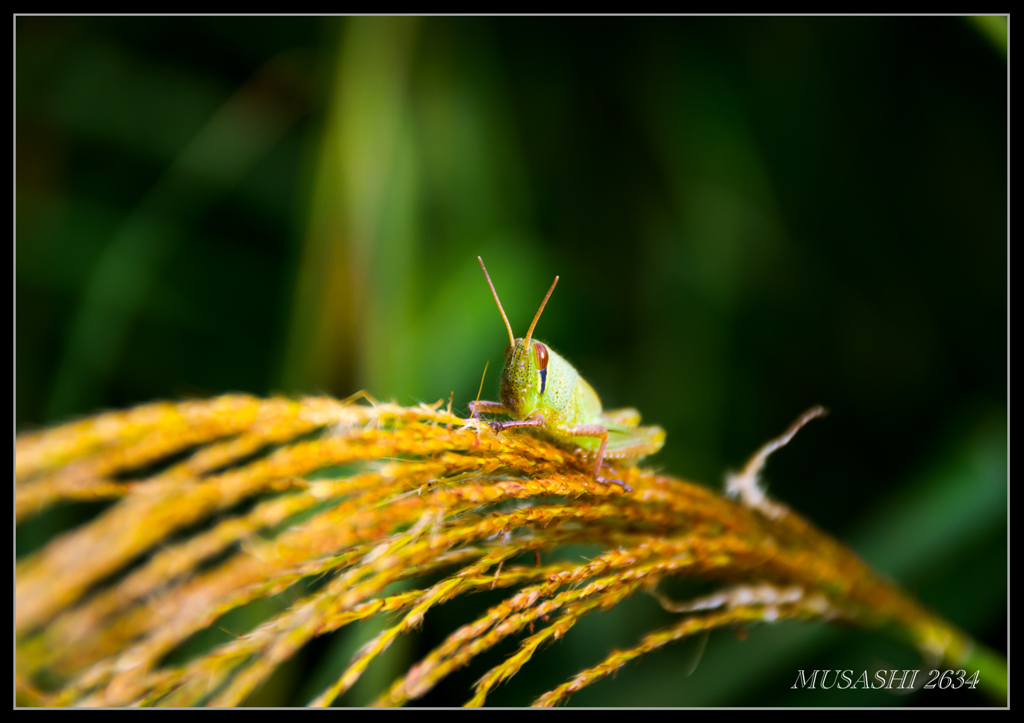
[622,439]
[598,431]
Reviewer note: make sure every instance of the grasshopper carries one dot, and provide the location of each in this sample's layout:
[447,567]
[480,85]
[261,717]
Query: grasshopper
[541,390]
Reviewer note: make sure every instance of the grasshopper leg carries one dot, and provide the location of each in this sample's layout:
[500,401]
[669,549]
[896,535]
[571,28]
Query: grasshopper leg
[601,432]
[476,407]
[536,420]
[486,407]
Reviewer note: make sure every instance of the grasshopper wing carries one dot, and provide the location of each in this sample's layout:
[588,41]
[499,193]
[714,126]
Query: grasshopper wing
[628,417]
[626,442]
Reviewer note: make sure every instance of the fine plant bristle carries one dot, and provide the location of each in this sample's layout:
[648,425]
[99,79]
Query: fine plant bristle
[217,504]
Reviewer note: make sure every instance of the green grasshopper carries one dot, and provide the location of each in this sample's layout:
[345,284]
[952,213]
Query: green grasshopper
[540,389]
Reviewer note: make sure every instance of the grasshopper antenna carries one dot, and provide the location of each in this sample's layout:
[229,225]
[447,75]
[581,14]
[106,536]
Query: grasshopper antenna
[511,336]
[542,305]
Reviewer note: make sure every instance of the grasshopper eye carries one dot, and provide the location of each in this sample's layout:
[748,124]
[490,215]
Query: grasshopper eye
[541,352]
[507,350]
[542,355]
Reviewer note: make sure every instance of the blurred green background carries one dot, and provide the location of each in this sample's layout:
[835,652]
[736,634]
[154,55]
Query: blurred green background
[749,216]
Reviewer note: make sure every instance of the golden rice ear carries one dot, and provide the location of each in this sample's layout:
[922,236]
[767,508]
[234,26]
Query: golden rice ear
[385,494]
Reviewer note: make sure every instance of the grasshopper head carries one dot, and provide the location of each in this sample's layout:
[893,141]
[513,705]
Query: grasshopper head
[525,376]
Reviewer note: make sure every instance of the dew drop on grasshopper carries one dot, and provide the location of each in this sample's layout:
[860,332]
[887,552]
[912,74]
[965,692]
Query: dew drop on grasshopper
[541,390]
